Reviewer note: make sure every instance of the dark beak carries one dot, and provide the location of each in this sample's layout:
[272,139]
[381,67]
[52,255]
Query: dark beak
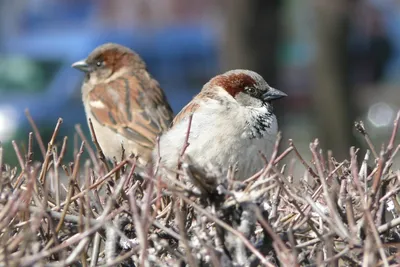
[273,94]
[81,65]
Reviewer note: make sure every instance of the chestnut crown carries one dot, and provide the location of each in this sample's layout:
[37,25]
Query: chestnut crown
[110,56]
[245,83]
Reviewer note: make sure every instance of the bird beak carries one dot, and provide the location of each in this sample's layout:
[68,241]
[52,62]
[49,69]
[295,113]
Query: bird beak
[81,65]
[273,94]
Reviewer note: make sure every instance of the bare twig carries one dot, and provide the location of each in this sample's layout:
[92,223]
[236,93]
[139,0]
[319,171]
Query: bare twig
[98,148]
[36,132]
[185,144]
[308,168]
[361,129]
[71,187]
[42,177]
[230,229]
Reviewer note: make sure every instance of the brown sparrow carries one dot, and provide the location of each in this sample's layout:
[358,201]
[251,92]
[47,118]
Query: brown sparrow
[232,122]
[126,105]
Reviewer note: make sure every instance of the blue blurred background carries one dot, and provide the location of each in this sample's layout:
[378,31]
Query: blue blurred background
[338,61]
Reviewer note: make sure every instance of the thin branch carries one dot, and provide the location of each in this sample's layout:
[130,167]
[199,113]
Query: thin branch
[308,168]
[36,132]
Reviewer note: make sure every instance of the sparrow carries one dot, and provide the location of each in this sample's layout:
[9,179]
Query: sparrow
[233,120]
[126,105]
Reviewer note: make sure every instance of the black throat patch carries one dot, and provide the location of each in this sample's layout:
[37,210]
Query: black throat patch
[260,123]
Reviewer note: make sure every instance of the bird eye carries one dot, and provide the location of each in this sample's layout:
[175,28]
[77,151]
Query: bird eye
[99,63]
[250,90]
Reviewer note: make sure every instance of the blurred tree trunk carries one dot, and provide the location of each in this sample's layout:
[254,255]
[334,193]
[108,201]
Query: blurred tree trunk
[252,38]
[331,94]
[252,28]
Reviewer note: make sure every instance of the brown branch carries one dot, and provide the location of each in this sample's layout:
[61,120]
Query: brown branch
[42,177]
[29,156]
[72,182]
[36,132]
[229,229]
[98,148]
[359,125]
[185,144]
[19,156]
[88,147]
[394,134]
[308,168]
[328,199]
[97,183]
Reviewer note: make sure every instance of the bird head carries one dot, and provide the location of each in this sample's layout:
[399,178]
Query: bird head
[108,59]
[247,87]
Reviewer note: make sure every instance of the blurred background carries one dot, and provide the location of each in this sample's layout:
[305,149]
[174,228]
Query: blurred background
[338,61]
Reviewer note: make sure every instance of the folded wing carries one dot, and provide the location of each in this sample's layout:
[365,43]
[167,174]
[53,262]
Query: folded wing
[133,106]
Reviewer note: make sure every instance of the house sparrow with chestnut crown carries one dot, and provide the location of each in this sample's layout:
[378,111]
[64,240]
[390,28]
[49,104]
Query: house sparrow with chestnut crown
[232,121]
[126,105]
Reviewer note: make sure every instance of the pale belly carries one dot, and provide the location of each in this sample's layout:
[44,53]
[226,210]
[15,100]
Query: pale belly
[207,146]
[113,144]
[226,152]
[110,142]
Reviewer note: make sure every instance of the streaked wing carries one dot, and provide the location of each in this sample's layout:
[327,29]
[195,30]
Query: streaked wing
[134,106]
